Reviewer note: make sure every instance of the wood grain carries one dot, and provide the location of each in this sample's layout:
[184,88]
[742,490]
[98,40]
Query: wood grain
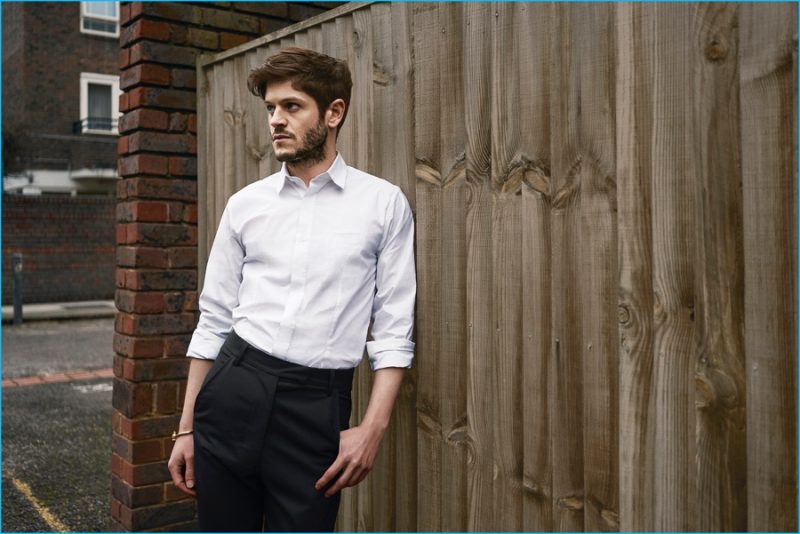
[477,118]
[635,271]
[767,77]
[566,374]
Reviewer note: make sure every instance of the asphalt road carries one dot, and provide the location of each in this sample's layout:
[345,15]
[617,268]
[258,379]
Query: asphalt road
[57,436]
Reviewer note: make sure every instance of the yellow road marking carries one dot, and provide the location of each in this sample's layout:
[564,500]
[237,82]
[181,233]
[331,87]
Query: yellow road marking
[52,521]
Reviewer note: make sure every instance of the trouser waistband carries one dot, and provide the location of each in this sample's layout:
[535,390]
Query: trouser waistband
[242,351]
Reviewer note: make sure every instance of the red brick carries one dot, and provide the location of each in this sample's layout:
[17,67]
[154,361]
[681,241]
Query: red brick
[167,397]
[143,164]
[146,451]
[190,213]
[116,512]
[139,302]
[122,144]
[172,493]
[182,257]
[124,58]
[159,188]
[180,166]
[142,257]
[119,278]
[124,102]
[152,119]
[177,122]
[122,234]
[184,78]
[119,362]
[161,234]
[145,73]
[131,399]
[144,29]
[199,38]
[162,142]
[134,496]
[124,14]
[193,123]
[176,346]
[229,40]
[148,428]
[137,347]
[163,98]
[173,301]
[158,279]
[142,211]
[137,10]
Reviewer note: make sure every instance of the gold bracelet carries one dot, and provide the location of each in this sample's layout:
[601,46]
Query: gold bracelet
[176,434]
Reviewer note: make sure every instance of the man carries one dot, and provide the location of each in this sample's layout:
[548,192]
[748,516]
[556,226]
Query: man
[302,260]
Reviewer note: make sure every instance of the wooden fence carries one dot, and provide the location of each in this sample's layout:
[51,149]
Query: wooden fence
[606,208]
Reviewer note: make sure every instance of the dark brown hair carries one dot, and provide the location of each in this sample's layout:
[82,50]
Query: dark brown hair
[322,77]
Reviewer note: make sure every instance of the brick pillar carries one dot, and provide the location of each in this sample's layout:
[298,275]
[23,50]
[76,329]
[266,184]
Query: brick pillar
[156,278]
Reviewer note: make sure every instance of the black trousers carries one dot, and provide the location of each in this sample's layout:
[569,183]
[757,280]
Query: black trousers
[265,430]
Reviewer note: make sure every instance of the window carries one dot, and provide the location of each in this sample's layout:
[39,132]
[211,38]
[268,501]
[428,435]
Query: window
[100,18]
[99,104]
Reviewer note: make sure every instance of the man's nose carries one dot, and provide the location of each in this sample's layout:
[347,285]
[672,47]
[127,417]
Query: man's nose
[276,119]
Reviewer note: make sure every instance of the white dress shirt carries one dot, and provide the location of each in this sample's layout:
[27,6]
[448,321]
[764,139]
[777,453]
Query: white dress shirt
[299,272]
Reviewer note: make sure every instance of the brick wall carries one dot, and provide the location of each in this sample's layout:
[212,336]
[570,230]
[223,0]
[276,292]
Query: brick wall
[156,276]
[41,87]
[67,245]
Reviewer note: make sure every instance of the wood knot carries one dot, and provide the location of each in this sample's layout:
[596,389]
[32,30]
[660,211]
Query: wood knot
[623,314]
[716,50]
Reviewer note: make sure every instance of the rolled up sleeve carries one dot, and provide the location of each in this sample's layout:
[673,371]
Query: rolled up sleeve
[220,293]
[395,291]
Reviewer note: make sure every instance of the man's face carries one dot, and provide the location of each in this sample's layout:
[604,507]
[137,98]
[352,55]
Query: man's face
[297,129]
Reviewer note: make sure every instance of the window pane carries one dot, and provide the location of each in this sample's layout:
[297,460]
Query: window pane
[100,25]
[99,107]
[107,9]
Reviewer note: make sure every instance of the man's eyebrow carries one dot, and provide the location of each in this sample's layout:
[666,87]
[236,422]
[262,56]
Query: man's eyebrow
[290,99]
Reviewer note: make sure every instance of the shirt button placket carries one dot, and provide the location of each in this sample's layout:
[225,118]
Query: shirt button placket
[299,267]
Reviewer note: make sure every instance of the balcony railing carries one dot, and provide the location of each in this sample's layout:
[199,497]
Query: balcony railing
[95,124]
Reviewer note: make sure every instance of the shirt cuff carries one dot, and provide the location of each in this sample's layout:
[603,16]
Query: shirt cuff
[204,346]
[391,358]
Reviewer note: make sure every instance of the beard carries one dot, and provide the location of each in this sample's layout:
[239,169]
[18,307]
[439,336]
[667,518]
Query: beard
[311,150]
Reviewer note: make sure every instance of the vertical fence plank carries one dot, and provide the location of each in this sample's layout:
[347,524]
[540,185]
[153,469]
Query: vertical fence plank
[427,140]
[719,368]
[592,117]
[506,255]
[480,470]
[768,73]
[635,270]
[673,174]
[452,262]
[531,30]
[566,376]
[384,126]
[404,167]
[358,36]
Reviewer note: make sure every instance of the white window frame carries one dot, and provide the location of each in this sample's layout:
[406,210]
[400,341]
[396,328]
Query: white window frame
[99,79]
[104,18]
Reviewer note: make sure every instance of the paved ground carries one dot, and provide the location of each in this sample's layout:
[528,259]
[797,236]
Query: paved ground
[57,436]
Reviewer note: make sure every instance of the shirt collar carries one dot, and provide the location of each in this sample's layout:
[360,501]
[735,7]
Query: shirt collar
[337,173]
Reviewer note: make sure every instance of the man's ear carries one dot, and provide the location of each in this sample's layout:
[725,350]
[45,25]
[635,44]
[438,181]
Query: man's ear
[335,113]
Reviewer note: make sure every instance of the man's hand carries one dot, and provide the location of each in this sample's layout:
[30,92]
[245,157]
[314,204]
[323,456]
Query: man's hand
[358,447]
[181,464]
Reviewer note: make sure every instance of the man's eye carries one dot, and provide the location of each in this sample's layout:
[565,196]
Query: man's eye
[292,106]
[270,109]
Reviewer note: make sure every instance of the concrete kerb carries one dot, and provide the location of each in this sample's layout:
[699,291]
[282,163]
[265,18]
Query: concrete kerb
[62,310]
